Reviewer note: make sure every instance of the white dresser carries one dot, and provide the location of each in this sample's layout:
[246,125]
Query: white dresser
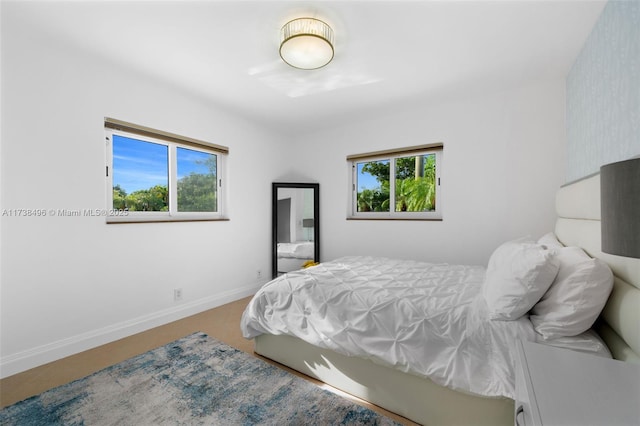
[558,387]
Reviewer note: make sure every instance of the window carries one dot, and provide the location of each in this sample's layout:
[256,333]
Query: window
[397,184]
[158,176]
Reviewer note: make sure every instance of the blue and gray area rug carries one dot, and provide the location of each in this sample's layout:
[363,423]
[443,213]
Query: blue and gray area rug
[196,380]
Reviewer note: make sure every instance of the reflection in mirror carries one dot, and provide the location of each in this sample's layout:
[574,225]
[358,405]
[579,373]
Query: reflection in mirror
[295,226]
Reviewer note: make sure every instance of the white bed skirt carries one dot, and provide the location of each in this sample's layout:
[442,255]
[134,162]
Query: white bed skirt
[411,396]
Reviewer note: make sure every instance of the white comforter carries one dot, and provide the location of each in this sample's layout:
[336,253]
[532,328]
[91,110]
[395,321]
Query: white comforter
[427,319]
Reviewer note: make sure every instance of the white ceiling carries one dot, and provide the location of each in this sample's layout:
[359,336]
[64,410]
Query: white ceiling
[387,53]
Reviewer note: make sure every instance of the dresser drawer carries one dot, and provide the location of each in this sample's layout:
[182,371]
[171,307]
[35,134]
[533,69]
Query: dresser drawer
[524,408]
[563,387]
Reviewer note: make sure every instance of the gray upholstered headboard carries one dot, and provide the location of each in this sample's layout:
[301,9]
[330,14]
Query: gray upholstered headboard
[578,224]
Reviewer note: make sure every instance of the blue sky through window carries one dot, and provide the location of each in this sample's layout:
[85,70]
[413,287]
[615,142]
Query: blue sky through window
[138,164]
[367,180]
[141,165]
[191,161]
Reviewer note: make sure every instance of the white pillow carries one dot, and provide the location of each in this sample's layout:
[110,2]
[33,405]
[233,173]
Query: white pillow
[576,297]
[518,274]
[550,241]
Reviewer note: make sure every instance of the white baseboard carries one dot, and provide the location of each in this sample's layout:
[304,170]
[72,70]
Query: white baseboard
[25,360]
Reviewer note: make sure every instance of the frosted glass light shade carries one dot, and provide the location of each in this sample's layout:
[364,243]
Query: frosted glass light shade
[306,43]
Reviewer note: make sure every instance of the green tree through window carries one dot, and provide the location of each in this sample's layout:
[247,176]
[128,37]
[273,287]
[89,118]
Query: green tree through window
[197,189]
[163,178]
[402,186]
[415,185]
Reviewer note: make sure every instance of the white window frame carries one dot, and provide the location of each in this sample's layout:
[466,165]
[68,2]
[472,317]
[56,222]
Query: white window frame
[391,155]
[173,215]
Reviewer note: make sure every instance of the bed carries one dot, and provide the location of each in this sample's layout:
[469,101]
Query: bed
[291,256]
[429,394]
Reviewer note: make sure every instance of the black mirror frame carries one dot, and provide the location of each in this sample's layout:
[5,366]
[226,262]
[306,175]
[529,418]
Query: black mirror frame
[274,220]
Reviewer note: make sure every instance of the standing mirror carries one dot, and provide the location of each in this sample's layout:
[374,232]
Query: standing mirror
[296,231]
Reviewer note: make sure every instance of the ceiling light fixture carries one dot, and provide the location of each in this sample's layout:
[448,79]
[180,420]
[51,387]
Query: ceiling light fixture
[306,43]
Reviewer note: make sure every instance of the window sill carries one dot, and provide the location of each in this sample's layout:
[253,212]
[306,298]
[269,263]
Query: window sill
[427,219]
[164,218]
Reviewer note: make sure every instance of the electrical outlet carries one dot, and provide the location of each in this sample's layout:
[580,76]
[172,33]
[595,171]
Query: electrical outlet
[177,294]
[259,274]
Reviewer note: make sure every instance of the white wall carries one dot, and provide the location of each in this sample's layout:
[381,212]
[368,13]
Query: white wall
[503,162]
[69,283]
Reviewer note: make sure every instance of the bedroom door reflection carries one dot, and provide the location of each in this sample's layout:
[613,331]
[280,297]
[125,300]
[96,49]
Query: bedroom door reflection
[295,226]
